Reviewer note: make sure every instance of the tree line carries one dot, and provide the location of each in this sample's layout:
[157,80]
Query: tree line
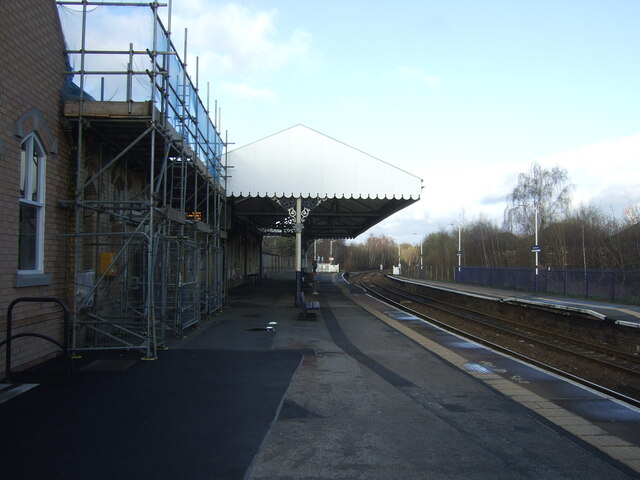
[585,237]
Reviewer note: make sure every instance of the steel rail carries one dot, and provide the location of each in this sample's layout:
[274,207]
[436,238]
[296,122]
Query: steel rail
[358,279]
[517,328]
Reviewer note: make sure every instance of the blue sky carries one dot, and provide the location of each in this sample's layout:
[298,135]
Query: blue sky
[464,94]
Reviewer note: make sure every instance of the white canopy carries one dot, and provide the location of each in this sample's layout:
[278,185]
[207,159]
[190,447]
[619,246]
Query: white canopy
[301,162]
[345,190]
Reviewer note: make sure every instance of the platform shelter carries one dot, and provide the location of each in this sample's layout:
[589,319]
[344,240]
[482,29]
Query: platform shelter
[304,183]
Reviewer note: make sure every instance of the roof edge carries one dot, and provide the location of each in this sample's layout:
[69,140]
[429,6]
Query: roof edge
[309,195]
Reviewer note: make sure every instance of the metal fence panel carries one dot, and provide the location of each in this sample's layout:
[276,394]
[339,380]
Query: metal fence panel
[621,286]
[182,284]
[112,303]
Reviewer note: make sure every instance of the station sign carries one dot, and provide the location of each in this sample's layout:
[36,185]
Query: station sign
[536,248]
[459,253]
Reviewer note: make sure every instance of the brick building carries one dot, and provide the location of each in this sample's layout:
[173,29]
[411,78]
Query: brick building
[34,155]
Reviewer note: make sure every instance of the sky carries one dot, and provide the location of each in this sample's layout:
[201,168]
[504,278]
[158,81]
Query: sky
[464,94]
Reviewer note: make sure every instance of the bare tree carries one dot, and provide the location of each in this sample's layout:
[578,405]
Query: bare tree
[381,250]
[546,190]
[632,215]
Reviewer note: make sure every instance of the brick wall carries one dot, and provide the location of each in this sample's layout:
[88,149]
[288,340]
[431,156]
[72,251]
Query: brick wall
[32,52]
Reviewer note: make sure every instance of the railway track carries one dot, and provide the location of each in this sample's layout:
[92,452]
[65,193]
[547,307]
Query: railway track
[570,347]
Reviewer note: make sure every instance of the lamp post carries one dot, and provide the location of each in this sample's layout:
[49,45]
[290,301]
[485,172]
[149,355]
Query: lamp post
[421,272]
[298,230]
[459,252]
[459,247]
[536,248]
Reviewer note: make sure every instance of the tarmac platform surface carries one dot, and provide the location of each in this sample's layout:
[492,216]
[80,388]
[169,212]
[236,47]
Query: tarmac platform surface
[358,392]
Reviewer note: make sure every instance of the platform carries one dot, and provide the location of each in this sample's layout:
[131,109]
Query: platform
[360,391]
[626,315]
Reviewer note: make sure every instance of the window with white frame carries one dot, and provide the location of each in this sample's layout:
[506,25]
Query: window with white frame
[32,196]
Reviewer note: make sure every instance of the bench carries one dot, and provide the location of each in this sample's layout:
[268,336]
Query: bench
[306,306]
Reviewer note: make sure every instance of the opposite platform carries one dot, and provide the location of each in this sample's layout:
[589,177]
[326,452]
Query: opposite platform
[626,315]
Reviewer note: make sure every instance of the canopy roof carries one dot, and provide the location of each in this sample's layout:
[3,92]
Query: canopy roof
[346,190]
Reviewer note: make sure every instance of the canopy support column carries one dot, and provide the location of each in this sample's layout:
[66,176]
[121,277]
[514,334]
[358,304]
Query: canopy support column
[298,210]
[298,230]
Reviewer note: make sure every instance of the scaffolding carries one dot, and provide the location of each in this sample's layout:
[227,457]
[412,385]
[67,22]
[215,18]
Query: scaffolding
[147,215]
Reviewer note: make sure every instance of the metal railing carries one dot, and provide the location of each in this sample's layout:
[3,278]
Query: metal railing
[64,345]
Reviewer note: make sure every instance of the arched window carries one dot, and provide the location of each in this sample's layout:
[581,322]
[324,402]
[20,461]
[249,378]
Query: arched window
[32,199]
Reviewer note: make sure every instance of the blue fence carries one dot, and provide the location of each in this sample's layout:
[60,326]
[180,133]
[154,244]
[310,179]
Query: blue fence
[620,286]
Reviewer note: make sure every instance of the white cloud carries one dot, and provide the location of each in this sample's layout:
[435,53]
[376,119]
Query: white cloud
[605,173]
[237,40]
